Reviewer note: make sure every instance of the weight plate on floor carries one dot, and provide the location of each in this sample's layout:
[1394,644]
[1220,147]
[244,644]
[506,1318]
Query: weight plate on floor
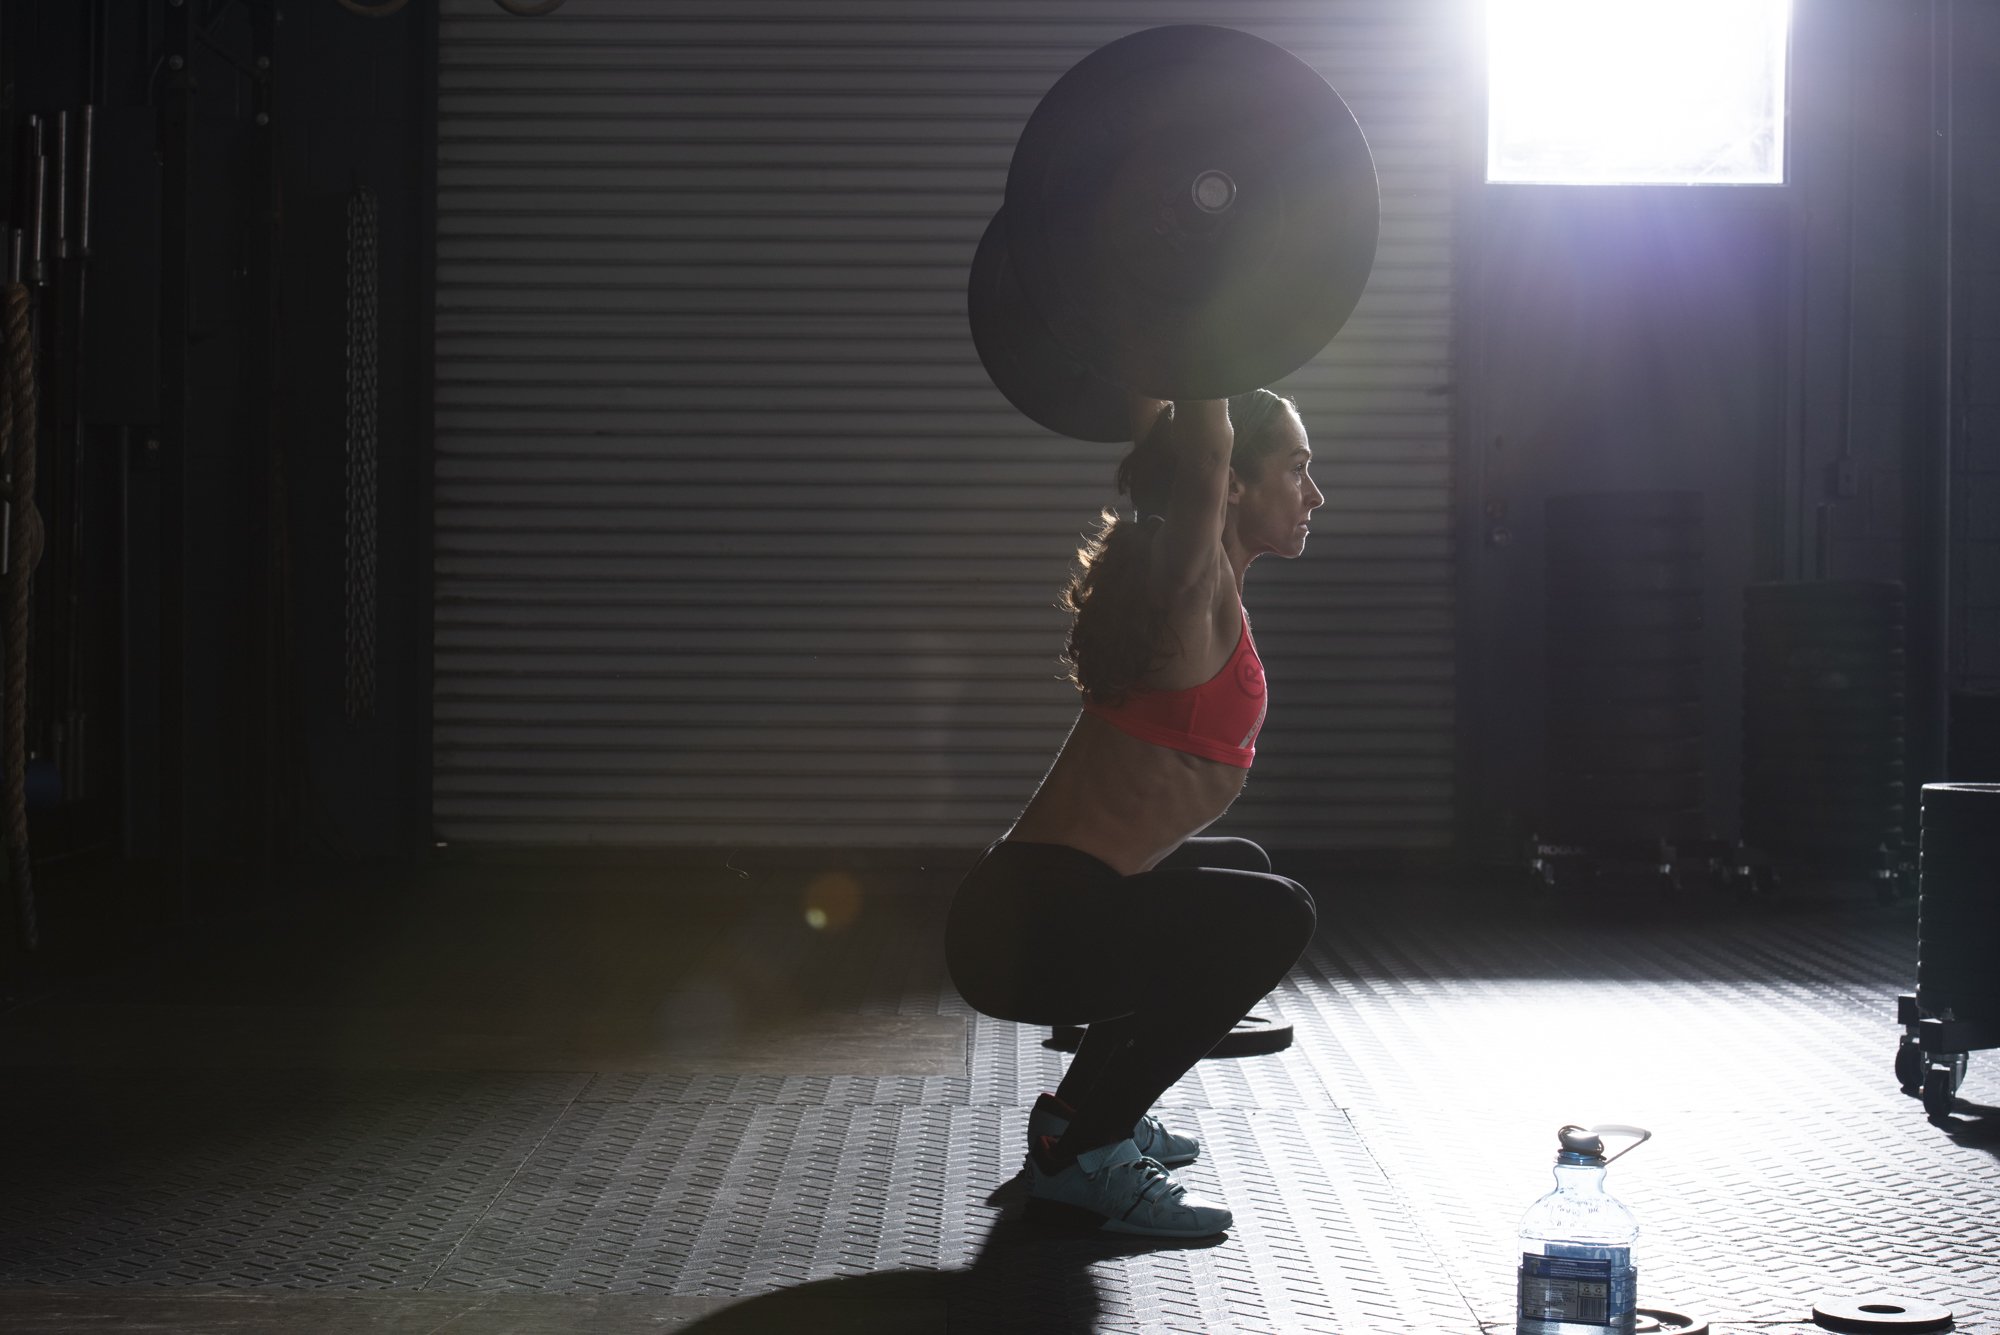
[1193,211]
[1043,381]
[1253,1036]
[1881,1312]
[1661,1321]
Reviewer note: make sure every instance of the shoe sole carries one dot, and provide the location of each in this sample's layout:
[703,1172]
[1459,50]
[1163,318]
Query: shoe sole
[1068,1218]
[1164,1163]
[1176,1163]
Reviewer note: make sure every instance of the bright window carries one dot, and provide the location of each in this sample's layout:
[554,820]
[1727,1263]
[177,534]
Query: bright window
[1662,92]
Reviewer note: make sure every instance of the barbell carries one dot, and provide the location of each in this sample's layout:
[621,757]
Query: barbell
[1191,212]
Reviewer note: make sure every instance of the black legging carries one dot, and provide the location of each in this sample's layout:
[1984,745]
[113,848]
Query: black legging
[1160,965]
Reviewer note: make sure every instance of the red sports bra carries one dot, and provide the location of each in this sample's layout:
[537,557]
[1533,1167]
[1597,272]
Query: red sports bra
[1218,719]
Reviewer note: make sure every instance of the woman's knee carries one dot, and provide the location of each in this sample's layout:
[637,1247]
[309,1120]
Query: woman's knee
[1222,852]
[1290,909]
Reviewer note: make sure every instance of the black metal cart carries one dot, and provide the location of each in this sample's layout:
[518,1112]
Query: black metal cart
[1955,1010]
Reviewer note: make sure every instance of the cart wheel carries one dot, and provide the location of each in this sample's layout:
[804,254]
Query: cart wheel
[1940,1087]
[1910,1064]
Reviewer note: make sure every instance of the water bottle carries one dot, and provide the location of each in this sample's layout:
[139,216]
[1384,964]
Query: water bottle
[1576,1275]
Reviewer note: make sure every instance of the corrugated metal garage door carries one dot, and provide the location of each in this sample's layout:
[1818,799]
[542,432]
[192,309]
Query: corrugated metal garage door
[735,543]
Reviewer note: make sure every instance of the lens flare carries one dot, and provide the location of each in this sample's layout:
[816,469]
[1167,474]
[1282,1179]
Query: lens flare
[832,901]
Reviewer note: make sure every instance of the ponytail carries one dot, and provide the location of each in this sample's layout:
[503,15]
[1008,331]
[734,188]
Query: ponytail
[1114,628]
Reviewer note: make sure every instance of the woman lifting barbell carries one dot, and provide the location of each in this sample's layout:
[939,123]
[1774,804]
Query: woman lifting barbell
[1100,906]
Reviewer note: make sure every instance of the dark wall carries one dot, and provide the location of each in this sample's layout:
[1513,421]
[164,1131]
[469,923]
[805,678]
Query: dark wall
[355,114]
[1898,361]
[1975,325]
[226,560]
[1624,341]
[1814,358]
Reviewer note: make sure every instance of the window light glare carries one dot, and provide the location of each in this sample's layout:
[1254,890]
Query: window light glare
[1636,91]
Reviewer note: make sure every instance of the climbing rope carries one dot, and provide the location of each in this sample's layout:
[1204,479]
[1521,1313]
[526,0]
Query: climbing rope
[24,550]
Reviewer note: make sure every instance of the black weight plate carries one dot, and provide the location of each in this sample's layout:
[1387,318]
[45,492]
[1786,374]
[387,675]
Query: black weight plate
[1193,211]
[1045,383]
[1666,1321]
[1886,1314]
[1253,1036]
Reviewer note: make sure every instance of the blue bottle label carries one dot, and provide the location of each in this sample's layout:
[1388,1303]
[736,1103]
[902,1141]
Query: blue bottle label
[1576,1283]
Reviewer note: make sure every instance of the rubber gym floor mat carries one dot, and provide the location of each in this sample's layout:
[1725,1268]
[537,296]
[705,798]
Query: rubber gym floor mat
[1377,1168]
[718,1198]
[1785,1163]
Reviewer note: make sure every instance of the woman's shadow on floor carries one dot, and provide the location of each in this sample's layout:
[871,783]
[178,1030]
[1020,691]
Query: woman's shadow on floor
[1026,1277]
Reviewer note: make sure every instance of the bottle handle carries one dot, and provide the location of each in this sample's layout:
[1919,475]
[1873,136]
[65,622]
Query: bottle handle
[1640,1133]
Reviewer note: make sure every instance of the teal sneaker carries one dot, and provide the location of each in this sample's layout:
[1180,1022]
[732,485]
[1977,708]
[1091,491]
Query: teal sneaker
[1116,1189]
[1050,1117]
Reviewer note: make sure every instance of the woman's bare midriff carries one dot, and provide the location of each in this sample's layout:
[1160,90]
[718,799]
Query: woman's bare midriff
[1126,802]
